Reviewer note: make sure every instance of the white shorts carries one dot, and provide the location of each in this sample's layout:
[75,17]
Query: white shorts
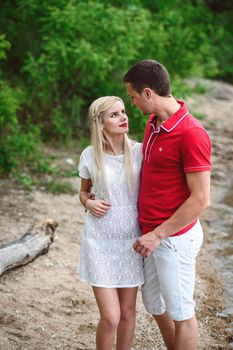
[170,275]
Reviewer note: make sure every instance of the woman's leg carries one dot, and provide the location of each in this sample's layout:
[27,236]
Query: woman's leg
[109,308]
[125,331]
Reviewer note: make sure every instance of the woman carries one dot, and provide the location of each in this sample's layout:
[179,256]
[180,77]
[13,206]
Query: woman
[110,171]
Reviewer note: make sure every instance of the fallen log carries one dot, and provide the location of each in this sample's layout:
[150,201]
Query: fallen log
[34,242]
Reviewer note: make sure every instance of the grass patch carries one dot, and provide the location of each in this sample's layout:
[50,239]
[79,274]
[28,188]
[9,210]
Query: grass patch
[53,186]
[49,171]
[200,88]
[26,181]
[58,187]
[199,116]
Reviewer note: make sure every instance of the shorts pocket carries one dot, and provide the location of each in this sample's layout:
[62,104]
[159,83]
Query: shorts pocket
[195,244]
[187,245]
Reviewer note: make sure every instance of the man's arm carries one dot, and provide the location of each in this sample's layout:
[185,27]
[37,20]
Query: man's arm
[97,207]
[199,199]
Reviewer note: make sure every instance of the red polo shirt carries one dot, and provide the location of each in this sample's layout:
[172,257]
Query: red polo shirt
[180,145]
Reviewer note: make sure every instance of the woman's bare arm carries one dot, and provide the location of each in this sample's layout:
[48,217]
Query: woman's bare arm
[97,207]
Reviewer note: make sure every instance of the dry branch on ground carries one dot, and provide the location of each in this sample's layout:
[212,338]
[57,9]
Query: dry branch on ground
[34,242]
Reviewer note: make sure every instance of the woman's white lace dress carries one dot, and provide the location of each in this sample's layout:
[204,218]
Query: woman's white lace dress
[107,258]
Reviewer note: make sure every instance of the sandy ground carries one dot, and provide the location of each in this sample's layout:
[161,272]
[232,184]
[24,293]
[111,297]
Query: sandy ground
[43,306]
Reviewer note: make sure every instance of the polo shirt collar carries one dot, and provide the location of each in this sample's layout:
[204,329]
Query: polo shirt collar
[172,121]
[175,118]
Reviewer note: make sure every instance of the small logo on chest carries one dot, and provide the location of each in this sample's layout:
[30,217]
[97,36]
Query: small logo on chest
[160,149]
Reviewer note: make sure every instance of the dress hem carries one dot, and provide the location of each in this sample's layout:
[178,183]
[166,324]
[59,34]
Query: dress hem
[112,286]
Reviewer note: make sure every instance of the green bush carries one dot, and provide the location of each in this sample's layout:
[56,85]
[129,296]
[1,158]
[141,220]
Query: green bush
[17,146]
[57,56]
[181,36]
[85,48]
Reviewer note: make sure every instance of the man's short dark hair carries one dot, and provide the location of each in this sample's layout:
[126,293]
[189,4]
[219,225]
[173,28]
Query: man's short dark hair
[149,73]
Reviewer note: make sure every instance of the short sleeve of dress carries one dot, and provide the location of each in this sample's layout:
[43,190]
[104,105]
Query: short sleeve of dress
[85,163]
[196,151]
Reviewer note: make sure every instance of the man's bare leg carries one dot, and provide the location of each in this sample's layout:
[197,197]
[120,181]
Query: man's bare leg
[167,329]
[186,334]
[178,335]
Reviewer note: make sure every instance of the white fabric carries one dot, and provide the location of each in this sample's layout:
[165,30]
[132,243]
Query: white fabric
[107,258]
[170,275]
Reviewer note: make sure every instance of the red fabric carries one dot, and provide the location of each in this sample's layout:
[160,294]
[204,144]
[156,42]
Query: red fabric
[180,145]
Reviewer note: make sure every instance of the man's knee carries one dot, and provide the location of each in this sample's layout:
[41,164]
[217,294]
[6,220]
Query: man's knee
[190,323]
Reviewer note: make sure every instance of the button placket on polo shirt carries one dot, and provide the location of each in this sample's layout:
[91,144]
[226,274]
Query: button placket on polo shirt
[150,142]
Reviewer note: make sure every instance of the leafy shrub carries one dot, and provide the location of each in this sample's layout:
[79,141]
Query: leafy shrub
[16,145]
[58,187]
[85,48]
[57,56]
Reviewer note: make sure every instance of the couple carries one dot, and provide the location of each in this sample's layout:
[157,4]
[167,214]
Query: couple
[166,184]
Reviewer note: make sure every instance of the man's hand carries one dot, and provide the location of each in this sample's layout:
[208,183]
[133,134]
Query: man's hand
[97,207]
[147,243]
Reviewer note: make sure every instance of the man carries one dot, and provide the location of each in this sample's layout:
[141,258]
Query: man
[175,189]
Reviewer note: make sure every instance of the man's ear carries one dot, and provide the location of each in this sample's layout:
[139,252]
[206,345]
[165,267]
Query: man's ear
[147,92]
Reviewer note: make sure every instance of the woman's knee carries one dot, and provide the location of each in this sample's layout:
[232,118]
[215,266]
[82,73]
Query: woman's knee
[110,322]
[128,314]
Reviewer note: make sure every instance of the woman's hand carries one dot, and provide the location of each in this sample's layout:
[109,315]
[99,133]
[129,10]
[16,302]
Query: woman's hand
[97,207]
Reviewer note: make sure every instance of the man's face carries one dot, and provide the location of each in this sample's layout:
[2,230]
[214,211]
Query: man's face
[138,100]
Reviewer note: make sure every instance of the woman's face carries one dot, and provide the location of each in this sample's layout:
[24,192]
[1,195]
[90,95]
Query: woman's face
[115,120]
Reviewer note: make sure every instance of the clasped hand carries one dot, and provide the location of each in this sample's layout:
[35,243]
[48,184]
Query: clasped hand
[97,207]
[147,243]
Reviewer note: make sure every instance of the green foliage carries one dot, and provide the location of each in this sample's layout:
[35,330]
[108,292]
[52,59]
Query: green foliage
[200,88]
[180,34]
[58,187]
[16,145]
[54,186]
[57,56]
[4,45]
[198,115]
[223,44]
[42,166]
[83,48]
[27,181]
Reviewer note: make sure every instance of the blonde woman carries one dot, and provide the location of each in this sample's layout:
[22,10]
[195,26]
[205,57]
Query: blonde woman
[110,170]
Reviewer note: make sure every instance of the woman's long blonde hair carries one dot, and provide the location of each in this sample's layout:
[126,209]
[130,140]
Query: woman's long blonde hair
[97,111]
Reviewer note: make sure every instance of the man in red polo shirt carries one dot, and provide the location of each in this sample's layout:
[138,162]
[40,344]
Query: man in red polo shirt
[175,189]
